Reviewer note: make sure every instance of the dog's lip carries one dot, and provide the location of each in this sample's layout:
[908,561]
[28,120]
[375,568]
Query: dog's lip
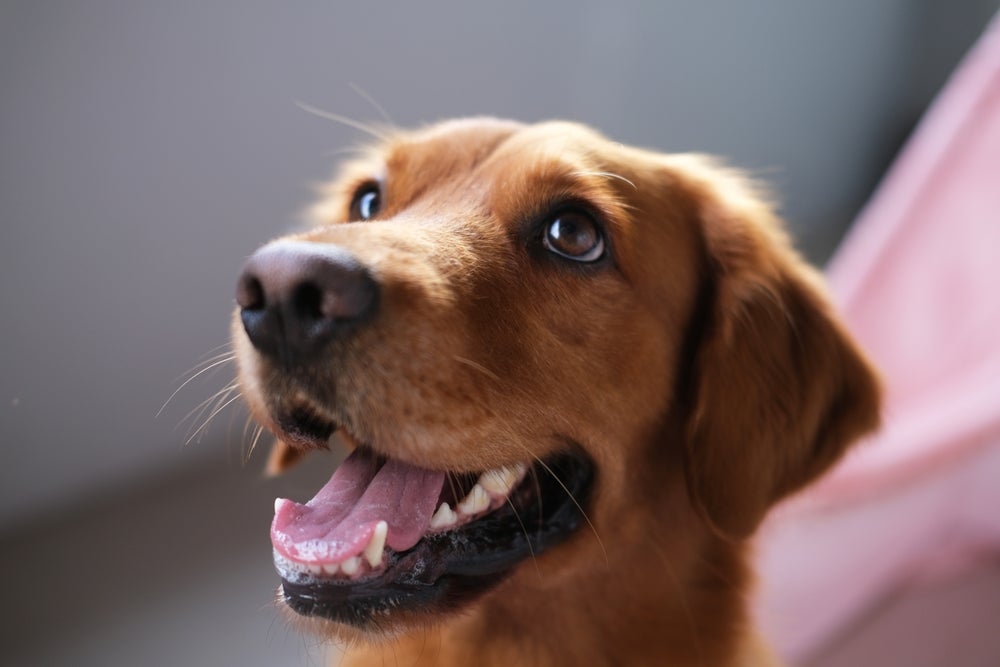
[447,567]
[305,425]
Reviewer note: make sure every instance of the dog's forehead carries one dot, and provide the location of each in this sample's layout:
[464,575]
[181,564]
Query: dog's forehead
[459,147]
[447,149]
[500,162]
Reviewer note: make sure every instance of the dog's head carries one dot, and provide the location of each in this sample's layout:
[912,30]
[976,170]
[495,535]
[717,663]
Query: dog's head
[536,341]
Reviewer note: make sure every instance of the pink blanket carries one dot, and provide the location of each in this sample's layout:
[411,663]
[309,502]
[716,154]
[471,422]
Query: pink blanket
[918,281]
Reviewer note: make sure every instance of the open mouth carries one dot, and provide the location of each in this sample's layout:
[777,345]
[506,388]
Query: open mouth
[383,536]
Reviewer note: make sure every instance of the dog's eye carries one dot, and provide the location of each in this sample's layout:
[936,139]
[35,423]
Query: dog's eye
[367,202]
[574,235]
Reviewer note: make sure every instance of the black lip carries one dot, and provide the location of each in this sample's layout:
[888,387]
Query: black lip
[446,570]
[306,426]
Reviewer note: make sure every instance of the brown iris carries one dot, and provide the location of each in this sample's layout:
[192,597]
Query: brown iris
[574,235]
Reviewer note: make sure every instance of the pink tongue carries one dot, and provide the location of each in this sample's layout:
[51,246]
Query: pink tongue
[340,519]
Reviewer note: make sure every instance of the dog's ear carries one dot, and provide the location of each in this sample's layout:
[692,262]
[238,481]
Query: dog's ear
[779,388]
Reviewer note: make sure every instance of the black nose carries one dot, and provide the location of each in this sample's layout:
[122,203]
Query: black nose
[295,297]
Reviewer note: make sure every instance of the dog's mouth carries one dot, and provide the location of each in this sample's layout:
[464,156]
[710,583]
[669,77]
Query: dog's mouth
[384,537]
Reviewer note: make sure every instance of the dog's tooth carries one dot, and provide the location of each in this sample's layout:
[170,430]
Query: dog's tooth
[351,565]
[279,503]
[444,517]
[476,501]
[314,568]
[499,481]
[331,568]
[496,481]
[373,552]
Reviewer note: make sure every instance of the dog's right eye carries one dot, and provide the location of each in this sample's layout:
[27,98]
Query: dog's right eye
[367,202]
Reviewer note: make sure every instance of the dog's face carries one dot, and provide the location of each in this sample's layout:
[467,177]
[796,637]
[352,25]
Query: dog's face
[611,335]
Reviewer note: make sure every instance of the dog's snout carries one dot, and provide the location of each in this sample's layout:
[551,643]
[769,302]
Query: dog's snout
[296,296]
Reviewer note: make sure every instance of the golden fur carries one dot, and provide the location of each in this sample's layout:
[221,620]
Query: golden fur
[701,368]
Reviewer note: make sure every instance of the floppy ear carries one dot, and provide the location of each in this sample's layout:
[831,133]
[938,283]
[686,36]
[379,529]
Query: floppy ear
[780,389]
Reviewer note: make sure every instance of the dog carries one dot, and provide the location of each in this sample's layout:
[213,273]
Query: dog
[572,375]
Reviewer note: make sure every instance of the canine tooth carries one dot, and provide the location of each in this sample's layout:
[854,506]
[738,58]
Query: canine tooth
[331,568]
[279,503]
[351,565]
[500,481]
[476,501]
[444,517]
[373,552]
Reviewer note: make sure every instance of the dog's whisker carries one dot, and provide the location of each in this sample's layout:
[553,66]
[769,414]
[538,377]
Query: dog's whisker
[229,427]
[203,406]
[224,360]
[367,97]
[259,431]
[209,357]
[214,351]
[607,174]
[548,469]
[538,493]
[477,366]
[208,406]
[343,120]
[203,427]
[524,529]
[579,507]
[246,429]
[244,451]
[358,149]
[228,355]
[453,485]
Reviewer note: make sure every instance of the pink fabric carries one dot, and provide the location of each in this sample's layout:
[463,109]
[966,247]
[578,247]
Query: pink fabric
[918,281]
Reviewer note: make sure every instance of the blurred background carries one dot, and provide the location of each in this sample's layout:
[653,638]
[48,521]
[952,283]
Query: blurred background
[146,148]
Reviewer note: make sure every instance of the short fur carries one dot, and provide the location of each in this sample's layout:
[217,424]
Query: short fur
[702,369]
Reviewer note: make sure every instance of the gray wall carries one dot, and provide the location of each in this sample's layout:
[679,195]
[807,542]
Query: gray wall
[147,147]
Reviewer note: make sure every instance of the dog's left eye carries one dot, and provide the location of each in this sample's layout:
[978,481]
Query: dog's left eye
[367,202]
[574,235]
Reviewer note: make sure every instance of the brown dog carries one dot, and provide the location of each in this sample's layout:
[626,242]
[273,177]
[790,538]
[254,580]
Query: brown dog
[574,376]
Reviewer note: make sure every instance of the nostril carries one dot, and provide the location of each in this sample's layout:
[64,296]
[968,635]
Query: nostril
[250,293]
[307,302]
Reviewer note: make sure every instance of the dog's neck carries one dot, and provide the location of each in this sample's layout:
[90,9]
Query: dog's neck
[688,612]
